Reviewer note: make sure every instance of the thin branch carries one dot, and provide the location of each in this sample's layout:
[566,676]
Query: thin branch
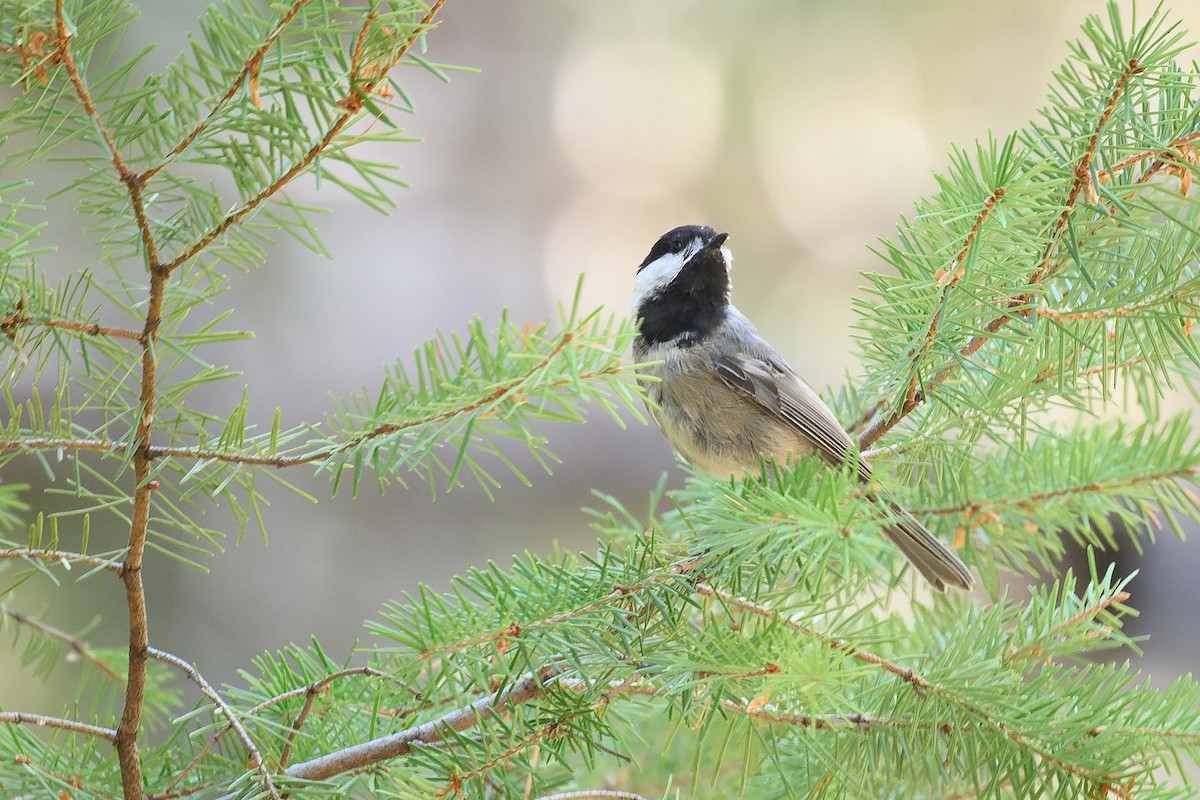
[1039,499]
[80,789]
[835,722]
[195,677]
[249,70]
[131,179]
[352,105]
[357,756]
[312,688]
[1035,650]
[919,684]
[89,328]
[64,557]
[79,646]
[551,730]
[42,721]
[131,571]
[1167,152]
[618,595]
[1131,310]
[948,280]
[283,462]
[1017,305]
[310,693]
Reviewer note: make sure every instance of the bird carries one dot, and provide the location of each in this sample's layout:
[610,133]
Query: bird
[724,397]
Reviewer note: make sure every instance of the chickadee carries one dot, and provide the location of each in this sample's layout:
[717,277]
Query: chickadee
[725,396]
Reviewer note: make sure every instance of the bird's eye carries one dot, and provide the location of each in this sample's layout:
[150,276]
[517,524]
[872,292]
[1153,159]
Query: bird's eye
[676,246]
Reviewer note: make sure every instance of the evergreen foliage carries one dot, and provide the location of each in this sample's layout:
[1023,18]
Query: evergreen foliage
[742,643]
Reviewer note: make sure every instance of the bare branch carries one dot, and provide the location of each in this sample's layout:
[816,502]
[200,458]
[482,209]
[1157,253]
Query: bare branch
[195,677]
[312,688]
[64,557]
[88,328]
[79,646]
[398,744]
[42,721]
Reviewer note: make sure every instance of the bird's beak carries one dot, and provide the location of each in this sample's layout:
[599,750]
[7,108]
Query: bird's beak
[717,241]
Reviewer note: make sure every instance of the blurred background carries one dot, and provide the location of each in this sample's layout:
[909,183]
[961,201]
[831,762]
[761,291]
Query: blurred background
[806,129]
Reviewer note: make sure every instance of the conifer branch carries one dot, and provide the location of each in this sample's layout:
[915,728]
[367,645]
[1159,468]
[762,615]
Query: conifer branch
[131,179]
[834,722]
[361,86]
[310,693]
[322,454]
[972,510]
[1131,310]
[357,756]
[590,794]
[1035,650]
[617,595]
[44,443]
[62,556]
[919,684]
[193,675]
[88,328]
[43,721]
[79,646]
[249,70]
[948,280]
[1018,304]
[131,570]
[1172,150]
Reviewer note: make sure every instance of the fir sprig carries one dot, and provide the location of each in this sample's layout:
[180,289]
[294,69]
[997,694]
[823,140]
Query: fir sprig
[745,641]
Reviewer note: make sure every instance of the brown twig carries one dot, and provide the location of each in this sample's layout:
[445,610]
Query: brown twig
[42,721]
[551,730]
[948,280]
[249,70]
[79,646]
[131,179]
[63,556]
[619,594]
[1018,305]
[357,89]
[397,744]
[1159,155]
[1120,311]
[835,722]
[131,571]
[89,328]
[310,693]
[42,443]
[192,674]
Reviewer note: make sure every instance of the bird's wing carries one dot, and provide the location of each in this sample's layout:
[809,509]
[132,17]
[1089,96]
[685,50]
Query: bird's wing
[778,390]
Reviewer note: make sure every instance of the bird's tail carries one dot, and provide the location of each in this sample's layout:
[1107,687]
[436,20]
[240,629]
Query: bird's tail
[936,562]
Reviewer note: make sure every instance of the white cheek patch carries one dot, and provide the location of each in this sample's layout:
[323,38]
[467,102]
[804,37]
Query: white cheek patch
[656,276]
